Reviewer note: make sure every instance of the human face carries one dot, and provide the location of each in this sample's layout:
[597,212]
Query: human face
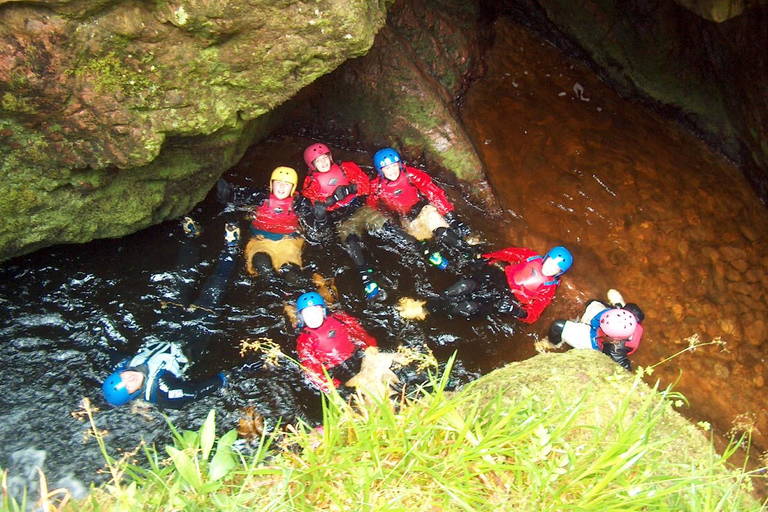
[132,380]
[551,267]
[322,163]
[281,189]
[313,316]
[391,171]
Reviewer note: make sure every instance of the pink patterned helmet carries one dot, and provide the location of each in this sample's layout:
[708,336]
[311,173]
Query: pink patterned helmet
[314,151]
[619,324]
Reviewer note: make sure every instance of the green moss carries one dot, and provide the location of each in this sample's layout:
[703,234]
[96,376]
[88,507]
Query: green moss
[110,74]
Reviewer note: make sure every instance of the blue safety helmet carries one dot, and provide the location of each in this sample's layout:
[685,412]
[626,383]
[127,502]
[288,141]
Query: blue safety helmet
[562,256]
[115,392]
[384,157]
[309,299]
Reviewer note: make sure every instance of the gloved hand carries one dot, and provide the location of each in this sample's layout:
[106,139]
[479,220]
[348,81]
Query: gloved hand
[456,225]
[340,193]
[352,188]
[618,351]
[349,368]
[509,306]
[320,210]
[223,377]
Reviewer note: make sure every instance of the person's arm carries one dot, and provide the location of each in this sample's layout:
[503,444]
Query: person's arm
[357,332]
[373,200]
[311,190]
[313,220]
[311,363]
[228,193]
[534,309]
[510,255]
[426,186]
[174,393]
[618,351]
[356,175]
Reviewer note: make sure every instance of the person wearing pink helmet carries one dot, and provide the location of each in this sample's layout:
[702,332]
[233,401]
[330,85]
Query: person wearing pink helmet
[338,191]
[613,329]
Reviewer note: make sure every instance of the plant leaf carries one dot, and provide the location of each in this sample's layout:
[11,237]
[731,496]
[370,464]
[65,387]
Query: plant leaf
[208,434]
[184,465]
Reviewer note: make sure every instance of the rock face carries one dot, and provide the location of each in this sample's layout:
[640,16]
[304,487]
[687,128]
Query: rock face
[404,92]
[116,115]
[679,55]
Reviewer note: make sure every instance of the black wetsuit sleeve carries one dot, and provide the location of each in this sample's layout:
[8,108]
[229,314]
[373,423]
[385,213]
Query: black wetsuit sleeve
[174,393]
[313,229]
[618,352]
[247,196]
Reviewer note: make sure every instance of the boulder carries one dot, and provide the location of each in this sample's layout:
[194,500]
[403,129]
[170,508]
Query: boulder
[118,115]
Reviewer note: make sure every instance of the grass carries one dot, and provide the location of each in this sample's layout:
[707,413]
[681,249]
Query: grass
[472,450]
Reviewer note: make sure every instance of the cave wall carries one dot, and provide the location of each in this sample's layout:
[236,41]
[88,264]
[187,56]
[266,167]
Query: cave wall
[115,115]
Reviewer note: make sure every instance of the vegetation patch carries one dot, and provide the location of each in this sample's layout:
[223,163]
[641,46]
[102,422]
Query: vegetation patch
[434,450]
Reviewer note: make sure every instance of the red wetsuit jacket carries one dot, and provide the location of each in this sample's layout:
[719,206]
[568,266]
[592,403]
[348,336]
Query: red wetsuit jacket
[329,345]
[534,290]
[408,189]
[319,186]
[276,216]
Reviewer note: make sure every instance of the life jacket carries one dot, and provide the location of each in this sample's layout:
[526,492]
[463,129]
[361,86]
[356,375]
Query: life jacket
[526,279]
[275,216]
[597,335]
[158,356]
[327,183]
[399,195]
[332,343]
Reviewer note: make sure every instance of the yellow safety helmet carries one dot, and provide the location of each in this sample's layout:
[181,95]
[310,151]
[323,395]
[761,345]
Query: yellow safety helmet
[285,174]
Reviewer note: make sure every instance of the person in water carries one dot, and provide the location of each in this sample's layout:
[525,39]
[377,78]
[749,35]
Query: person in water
[516,281]
[156,372]
[614,329]
[278,218]
[338,191]
[421,206]
[332,343]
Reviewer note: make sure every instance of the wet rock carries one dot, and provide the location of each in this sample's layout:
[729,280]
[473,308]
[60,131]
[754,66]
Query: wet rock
[756,332]
[404,92]
[732,275]
[148,103]
[730,253]
[750,233]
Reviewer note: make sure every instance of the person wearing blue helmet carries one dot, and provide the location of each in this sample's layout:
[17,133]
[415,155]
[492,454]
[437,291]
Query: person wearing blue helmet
[421,206]
[156,372]
[515,280]
[334,343]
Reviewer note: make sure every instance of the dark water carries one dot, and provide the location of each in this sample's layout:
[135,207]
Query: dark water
[644,206]
[68,309]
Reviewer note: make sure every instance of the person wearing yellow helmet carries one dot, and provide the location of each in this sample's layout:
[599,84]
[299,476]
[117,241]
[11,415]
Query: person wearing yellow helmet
[279,216]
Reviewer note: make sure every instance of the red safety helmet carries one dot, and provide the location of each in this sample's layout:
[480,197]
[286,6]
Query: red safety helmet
[314,151]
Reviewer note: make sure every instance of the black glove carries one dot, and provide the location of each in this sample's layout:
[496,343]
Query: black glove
[340,193]
[618,351]
[416,209]
[352,188]
[510,306]
[349,368]
[320,210]
[456,225]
